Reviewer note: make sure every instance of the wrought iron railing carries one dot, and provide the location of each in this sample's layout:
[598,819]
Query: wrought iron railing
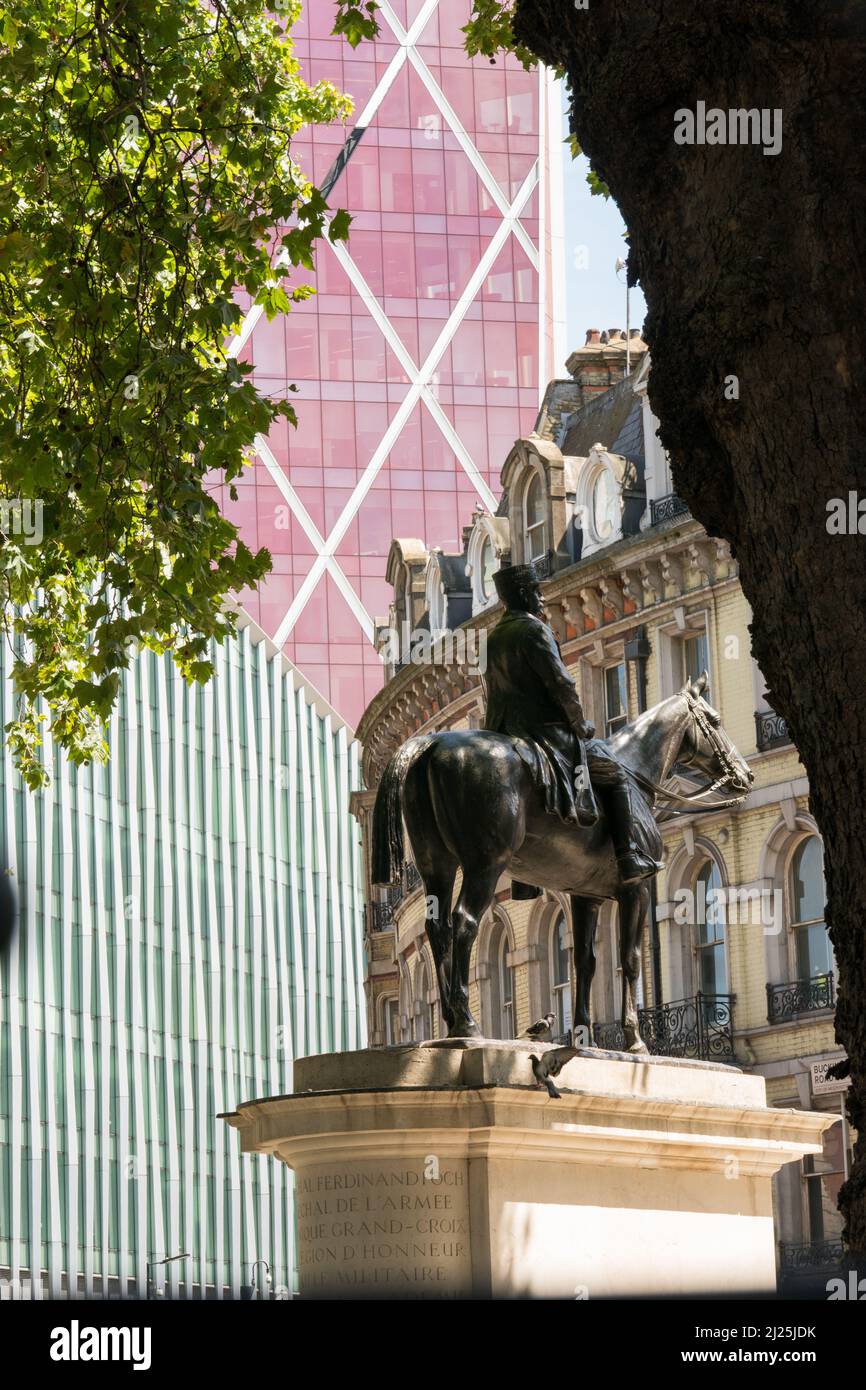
[544,565]
[796,997]
[772,731]
[700,1027]
[379,915]
[667,508]
[382,916]
[411,878]
[609,1036]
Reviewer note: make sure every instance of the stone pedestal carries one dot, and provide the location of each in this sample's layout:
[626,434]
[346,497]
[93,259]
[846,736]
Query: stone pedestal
[441,1171]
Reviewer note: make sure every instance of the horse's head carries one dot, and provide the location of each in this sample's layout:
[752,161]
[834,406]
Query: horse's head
[706,747]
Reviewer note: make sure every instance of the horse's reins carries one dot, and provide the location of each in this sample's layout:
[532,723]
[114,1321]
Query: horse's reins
[721,753]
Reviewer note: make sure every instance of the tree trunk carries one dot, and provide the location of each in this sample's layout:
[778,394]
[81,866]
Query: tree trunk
[753,267]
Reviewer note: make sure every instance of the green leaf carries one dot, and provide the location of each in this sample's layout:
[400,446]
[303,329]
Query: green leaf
[339,226]
[356,21]
[137,195]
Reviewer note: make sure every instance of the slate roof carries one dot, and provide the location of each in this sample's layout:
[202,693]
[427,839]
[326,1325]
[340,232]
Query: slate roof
[612,419]
[630,442]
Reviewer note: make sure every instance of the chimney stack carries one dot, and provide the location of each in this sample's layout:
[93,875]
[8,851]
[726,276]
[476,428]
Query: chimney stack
[601,362]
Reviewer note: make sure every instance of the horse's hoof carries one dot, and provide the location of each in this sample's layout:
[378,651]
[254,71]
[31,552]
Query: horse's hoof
[464,1028]
[639,1049]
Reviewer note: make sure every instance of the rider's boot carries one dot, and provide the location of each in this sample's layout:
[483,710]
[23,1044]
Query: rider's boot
[633,865]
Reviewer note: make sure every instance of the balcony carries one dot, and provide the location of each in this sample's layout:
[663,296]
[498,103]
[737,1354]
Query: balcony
[772,731]
[667,509]
[381,916]
[700,1027]
[794,998]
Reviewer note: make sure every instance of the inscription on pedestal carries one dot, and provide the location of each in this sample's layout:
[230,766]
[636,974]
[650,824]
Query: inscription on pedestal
[384,1229]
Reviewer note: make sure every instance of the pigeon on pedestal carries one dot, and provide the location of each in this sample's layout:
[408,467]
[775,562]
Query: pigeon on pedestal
[542,1078]
[542,1029]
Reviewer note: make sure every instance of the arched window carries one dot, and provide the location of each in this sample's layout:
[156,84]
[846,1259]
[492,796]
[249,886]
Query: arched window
[488,565]
[505,976]
[391,1021]
[423,1020]
[403,596]
[559,957]
[534,527]
[808,896]
[404,1006]
[502,980]
[434,594]
[712,963]
[497,995]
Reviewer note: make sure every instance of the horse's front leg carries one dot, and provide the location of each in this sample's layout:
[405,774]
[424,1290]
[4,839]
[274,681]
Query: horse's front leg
[584,925]
[633,904]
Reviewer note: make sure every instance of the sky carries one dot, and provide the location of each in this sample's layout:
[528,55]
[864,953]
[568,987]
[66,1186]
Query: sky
[595,293]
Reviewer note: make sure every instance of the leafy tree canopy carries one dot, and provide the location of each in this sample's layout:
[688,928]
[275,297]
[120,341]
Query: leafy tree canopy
[146,159]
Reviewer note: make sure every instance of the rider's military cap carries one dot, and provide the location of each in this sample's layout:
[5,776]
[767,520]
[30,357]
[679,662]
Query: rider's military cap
[513,581]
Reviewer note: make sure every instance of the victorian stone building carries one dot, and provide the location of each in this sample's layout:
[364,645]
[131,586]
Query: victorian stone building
[737,962]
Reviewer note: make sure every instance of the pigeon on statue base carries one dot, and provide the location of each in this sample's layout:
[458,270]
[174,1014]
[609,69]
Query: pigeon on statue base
[542,1029]
[551,1064]
[542,1078]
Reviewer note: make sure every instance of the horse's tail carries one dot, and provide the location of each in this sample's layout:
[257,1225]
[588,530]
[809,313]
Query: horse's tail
[387,847]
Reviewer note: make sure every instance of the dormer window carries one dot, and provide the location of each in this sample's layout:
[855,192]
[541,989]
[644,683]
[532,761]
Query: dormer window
[434,594]
[486,552]
[405,570]
[403,602]
[535,528]
[600,481]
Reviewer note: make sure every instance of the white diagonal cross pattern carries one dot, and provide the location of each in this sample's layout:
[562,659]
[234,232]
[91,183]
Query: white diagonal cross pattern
[421,377]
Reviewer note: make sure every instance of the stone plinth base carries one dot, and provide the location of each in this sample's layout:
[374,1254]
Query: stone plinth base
[441,1171]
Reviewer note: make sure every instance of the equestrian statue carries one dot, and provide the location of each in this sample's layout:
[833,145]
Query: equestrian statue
[535,796]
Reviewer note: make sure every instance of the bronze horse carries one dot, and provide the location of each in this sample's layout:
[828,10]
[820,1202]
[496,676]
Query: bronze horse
[469,802]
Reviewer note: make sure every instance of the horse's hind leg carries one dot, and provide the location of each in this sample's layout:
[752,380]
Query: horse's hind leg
[438,869]
[477,798]
[439,887]
[476,895]
[633,904]
[584,922]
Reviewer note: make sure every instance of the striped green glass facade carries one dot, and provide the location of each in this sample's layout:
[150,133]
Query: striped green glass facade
[190,920]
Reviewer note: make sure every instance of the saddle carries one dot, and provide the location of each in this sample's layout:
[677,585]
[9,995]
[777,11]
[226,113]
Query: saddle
[556,760]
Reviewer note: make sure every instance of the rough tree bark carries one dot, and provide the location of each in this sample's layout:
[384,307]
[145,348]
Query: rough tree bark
[753,265]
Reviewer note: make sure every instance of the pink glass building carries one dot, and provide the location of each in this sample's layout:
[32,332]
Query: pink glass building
[424,352]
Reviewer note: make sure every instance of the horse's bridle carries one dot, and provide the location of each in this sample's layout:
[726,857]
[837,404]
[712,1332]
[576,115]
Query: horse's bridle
[730,773]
